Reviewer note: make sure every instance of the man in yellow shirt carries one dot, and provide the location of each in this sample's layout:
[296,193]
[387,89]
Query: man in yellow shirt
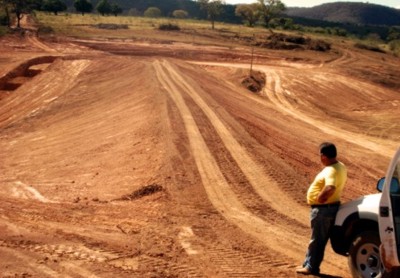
[323,196]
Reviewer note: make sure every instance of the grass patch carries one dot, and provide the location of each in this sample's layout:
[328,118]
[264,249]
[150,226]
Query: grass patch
[394,46]
[369,47]
[111,26]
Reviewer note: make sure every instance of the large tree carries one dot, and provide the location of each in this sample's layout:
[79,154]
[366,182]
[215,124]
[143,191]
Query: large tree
[213,8]
[270,9]
[5,20]
[19,7]
[83,6]
[115,9]
[54,6]
[103,7]
[249,12]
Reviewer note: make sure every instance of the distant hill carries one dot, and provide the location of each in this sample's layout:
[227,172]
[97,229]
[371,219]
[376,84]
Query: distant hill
[349,12]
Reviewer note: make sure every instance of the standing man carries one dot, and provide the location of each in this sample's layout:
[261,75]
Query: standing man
[323,196]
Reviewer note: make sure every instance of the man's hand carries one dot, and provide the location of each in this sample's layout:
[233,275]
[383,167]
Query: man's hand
[326,193]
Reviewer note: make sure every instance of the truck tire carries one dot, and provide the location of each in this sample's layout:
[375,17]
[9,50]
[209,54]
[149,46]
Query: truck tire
[364,258]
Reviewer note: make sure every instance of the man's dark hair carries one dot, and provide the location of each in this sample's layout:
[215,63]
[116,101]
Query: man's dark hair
[328,149]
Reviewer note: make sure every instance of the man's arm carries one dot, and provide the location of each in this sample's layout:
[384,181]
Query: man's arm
[326,193]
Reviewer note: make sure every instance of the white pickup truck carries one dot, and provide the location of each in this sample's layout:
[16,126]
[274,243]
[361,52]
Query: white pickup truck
[367,230]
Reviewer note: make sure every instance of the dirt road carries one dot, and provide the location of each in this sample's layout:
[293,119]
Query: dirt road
[127,160]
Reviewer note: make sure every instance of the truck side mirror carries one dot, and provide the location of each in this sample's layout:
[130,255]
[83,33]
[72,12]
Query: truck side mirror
[394,185]
[379,185]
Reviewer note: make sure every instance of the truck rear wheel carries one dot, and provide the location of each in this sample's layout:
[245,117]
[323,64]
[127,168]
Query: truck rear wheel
[364,258]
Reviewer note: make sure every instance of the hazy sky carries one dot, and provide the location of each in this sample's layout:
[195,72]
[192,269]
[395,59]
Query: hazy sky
[311,3]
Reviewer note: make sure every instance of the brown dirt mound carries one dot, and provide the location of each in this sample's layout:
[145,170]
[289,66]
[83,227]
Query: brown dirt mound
[254,82]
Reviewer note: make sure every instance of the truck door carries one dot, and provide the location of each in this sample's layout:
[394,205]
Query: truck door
[389,214]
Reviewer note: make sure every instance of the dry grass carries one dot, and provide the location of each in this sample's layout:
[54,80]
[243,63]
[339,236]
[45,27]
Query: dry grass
[191,31]
[197,31]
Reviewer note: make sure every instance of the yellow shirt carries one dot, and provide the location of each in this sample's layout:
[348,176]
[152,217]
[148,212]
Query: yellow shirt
[336,175]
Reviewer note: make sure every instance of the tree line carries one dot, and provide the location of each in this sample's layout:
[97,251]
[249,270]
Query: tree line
[261,11]
[19,7]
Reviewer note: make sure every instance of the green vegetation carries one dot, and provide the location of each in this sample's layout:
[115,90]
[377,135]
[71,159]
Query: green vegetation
[116,9]
[213,9]
[152,12]
[3,30]
[180,14]
[103,7]
[169,27]
[83,6]
[249,13]
[270,9]
[4,19]
[17,8]
[54,6]
[394,46]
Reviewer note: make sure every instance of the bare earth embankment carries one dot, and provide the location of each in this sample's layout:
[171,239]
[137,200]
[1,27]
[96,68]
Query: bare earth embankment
[143,159]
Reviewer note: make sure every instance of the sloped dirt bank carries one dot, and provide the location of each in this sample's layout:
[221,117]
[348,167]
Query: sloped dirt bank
[27,69]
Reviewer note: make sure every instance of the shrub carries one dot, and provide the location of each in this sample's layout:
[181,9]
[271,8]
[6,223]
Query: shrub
[180,14]
[169,27]
[318,45]
[111,26]
[369,47]
[395,47]
[152,12]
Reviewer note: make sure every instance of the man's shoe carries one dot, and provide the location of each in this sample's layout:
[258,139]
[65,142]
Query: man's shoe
[303,270]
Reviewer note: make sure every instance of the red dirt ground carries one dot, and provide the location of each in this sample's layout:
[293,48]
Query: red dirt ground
[138,159]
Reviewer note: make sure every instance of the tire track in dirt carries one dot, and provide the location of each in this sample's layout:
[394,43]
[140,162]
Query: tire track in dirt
[18,189]
[253,172]
[346,57]
[65,250]
[277,94]
[66,254]
[273,234]
[219,192]
[252,266]
[234,262]
[34,41]
[27,261]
